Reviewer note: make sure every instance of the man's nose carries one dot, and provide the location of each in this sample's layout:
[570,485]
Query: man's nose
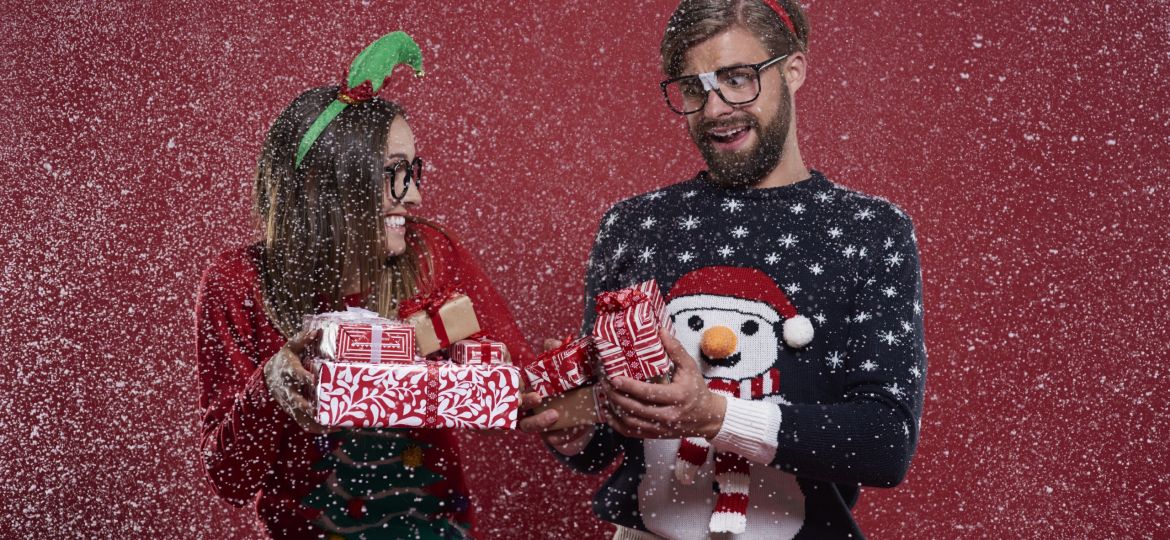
[715,106]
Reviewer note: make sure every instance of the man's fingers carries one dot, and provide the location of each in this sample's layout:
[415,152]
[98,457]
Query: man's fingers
[629,407]
[658,394]
[674,349]
[550,344]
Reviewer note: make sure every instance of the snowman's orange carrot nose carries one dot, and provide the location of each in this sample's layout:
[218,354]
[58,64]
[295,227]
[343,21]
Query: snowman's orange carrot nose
[718,342]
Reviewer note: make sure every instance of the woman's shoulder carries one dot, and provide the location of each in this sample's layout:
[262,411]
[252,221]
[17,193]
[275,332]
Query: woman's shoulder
[232,270]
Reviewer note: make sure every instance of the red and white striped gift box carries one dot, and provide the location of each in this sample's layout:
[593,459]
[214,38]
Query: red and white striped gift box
[358,335]
[626,332]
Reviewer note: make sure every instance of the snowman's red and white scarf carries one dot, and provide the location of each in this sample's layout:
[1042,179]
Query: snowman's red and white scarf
[731,469]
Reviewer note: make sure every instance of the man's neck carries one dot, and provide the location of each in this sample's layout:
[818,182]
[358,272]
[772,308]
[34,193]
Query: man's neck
[790,170]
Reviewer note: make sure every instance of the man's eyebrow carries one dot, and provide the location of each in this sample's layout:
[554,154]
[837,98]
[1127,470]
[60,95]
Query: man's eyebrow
[398,155]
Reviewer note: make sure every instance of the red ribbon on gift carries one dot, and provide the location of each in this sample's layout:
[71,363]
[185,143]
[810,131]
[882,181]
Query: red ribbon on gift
[611,302]
[431,414]
[430,303]
[616,301]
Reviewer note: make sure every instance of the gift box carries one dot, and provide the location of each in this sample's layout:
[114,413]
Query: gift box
[577,407]
[563,368]
[626,332]
[439,319]
[479,351]
[422,395]
[359,335]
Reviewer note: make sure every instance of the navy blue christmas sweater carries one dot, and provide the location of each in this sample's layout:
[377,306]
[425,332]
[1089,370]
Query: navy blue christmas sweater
[817,412]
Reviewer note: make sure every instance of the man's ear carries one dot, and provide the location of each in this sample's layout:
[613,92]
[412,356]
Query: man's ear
[795,70]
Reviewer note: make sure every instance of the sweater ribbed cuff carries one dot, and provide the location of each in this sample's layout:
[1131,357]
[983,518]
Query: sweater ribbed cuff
[750,429]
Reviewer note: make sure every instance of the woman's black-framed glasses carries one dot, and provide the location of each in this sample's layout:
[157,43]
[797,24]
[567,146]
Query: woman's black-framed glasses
[407,172]
[735,85]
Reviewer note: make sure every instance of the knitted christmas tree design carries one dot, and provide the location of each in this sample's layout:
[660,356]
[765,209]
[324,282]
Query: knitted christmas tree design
[378,488]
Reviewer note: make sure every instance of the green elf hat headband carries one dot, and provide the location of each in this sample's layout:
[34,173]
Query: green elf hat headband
[366,77]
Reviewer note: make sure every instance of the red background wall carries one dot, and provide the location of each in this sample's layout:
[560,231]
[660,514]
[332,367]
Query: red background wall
[1029,140]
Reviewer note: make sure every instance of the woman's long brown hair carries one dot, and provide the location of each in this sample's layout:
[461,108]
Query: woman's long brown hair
[322,222]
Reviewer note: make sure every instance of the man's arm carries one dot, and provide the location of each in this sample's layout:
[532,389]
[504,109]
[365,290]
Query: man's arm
[869,437]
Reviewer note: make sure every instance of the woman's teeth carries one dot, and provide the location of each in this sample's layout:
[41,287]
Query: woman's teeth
[395,221]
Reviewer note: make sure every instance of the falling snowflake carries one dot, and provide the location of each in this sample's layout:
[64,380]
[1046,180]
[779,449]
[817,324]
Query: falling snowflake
[835,232]
[914,372]
[820,318]
[792,288]
[835,359]
[621,248]
[732,205]
[739,232]
[889,338]
[816,269]
[646,254]
[868,365]
[893,259]
[849,251]
[788,240]
[648,222]
[889,292]
[772,258]
[689,194]
[917,307]
[654,196]
[797,208]
[685,257]
[611,219]
[906,326]
[823,196]
[726,251]
[689,223]
[862,317]
[863,252]
[888,243]
[894,390]
[864,214]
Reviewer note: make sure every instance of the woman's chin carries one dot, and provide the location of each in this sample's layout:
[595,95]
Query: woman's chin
[394,249]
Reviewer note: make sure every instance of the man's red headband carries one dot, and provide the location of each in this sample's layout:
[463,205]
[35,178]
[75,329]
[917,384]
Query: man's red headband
[783,16]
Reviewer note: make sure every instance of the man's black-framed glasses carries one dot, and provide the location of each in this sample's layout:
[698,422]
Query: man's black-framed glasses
[403,172]
[735,85]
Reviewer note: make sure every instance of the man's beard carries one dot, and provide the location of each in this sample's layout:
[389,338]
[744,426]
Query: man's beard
[747,167]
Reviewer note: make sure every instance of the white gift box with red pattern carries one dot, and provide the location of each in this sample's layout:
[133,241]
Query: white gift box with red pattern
[625,333]
[421,395]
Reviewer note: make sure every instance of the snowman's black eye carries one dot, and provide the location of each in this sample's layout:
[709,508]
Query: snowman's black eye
[749,328]
[695,322]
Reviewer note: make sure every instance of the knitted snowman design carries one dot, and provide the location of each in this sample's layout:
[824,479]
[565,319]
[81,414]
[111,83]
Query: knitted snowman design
[733,315]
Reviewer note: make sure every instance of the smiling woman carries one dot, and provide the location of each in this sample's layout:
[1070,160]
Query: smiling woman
[337,231]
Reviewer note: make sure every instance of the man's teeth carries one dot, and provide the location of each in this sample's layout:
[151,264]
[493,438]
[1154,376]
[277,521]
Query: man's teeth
[727,133]
[395,221]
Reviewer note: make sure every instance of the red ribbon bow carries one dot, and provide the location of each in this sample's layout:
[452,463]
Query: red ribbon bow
[615,301]
[431,303]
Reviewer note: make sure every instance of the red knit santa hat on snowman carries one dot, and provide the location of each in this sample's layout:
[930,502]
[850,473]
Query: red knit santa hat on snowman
[744,290]
[712,287]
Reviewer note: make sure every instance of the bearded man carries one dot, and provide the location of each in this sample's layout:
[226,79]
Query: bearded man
[801,300]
